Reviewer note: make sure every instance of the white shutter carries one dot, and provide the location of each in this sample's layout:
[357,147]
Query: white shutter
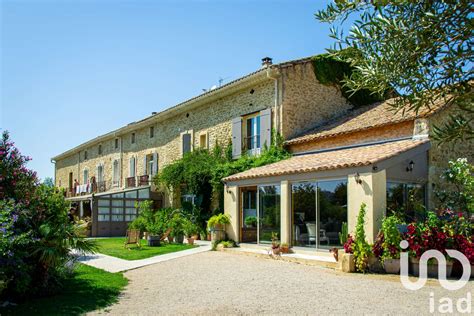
[145,166]
[236,137]
[266,128]
[155,163]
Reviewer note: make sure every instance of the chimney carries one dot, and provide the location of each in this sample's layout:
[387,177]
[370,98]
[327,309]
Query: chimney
[266,61]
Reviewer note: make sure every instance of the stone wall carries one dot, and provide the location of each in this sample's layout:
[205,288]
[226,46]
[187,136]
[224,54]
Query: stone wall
[306,102]
[439,155]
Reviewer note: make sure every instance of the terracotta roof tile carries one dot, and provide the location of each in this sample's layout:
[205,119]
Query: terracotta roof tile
[374,115]
[329,160]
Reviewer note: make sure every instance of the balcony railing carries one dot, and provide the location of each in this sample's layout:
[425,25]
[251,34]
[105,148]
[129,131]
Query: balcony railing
[104,186]
[143,180]
[252,145]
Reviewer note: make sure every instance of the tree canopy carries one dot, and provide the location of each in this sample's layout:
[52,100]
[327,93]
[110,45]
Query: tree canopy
[421,49]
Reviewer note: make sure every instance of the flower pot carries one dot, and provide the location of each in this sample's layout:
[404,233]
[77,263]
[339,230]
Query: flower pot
[285,249]
[276,251]
[191,241]
[170,239]
[179,238]
[375,265]
[432,268]
[154,241]
[208,237]
[195,237]
[348,263]
[392,266]
[217,233]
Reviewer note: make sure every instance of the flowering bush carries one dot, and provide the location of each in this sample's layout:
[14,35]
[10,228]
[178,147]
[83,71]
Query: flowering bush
[349,244]
[36,234]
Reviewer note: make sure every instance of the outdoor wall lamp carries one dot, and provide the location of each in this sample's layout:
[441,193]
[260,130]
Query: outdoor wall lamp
[410,166]
[357,178]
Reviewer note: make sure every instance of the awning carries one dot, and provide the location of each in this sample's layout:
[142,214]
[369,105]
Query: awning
[348,157]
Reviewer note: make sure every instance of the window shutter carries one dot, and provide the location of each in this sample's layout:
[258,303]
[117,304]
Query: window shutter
[236,137]
[155,163]
[266,128]
[144,166]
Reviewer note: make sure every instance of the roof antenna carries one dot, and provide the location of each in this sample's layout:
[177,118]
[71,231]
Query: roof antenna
[221,80]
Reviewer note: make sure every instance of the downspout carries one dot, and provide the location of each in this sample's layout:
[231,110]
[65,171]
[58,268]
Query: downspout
[54,163]
[274,74]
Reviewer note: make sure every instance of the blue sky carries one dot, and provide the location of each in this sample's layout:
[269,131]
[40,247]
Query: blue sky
[72,70]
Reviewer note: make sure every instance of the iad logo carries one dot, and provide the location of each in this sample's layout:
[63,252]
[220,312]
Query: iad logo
[449,285]
[463,305]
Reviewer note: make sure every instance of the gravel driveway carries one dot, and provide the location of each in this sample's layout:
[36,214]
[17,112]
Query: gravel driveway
[227,283]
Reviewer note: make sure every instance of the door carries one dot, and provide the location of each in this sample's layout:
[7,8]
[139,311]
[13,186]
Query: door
[70,181]
[269,213]
[249,221]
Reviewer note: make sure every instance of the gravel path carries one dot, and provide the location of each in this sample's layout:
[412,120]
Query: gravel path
[226,283]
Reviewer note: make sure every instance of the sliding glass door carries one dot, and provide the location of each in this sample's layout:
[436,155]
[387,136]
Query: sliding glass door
[319,210]
[269,212]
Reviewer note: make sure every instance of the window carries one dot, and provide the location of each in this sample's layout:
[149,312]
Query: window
[100,173]
[132,169]
[133,138]
[116,143]
[252,136]
[100,150]
[152,131]
[150,164]
[203,140]
[319,210]
[85,174]
[116,174]
[186,143]
[406,199]
[85,155]
[268,213]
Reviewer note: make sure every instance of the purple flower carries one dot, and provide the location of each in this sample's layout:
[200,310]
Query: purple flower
[15,218]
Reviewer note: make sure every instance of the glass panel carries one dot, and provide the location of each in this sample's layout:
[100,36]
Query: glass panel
[304,214]
[117,218]
[131,194]
[117,196]
[104,210]
[395,198]
[103,218]
[130,211]
[117,202]
[103,202]
[144,194]
[130,203]
[249,216]
[129,218]
[269,212]
[332,201]
[406,199]
[117,210]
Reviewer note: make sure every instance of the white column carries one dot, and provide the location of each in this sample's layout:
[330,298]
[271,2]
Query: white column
[285,211]
[231,207]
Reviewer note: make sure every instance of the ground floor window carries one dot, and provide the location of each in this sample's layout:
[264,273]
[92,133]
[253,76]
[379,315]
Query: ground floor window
[319,210]
[406,199]
[260,213]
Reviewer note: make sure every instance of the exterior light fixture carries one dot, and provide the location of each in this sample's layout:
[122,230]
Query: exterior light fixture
[357,178]
[410,166]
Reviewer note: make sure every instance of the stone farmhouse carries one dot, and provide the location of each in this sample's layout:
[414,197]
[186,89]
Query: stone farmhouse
[342,156]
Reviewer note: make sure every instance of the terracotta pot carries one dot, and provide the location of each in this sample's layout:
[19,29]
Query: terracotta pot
[392,266]
[432,268]
[208,237]
[191,241]
[276,251]
[285,249]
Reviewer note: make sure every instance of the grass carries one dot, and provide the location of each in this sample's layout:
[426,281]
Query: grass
[86,290]
[114,247]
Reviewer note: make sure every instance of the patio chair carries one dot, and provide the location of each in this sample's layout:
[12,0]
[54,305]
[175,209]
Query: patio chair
[132,237]
[312,234]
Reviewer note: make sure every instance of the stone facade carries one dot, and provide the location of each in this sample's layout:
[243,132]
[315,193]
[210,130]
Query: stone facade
[297,100]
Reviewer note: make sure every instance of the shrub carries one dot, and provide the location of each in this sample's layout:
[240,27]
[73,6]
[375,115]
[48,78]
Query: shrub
[37,235]
[391,238]
[220,219]
[361,248]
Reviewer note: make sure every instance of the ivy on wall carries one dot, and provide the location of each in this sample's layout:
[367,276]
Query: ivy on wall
[331,71]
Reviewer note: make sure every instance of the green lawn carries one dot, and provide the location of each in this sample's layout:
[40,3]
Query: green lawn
[114,247]
[87,290]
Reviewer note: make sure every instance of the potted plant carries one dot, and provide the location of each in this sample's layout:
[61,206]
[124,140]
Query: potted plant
[391,244]
[190,229]
[275,244]
[348,259]
[216,225]
[177,223]
[155,231]
[284,248]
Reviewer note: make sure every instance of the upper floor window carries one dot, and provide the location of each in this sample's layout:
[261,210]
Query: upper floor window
[116,173]
[133,138]
[152,131]
[186,142]
[116,143]
[100,173]
[85,174]
[132,167]
[252,133]
[85,155]
[99,150]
